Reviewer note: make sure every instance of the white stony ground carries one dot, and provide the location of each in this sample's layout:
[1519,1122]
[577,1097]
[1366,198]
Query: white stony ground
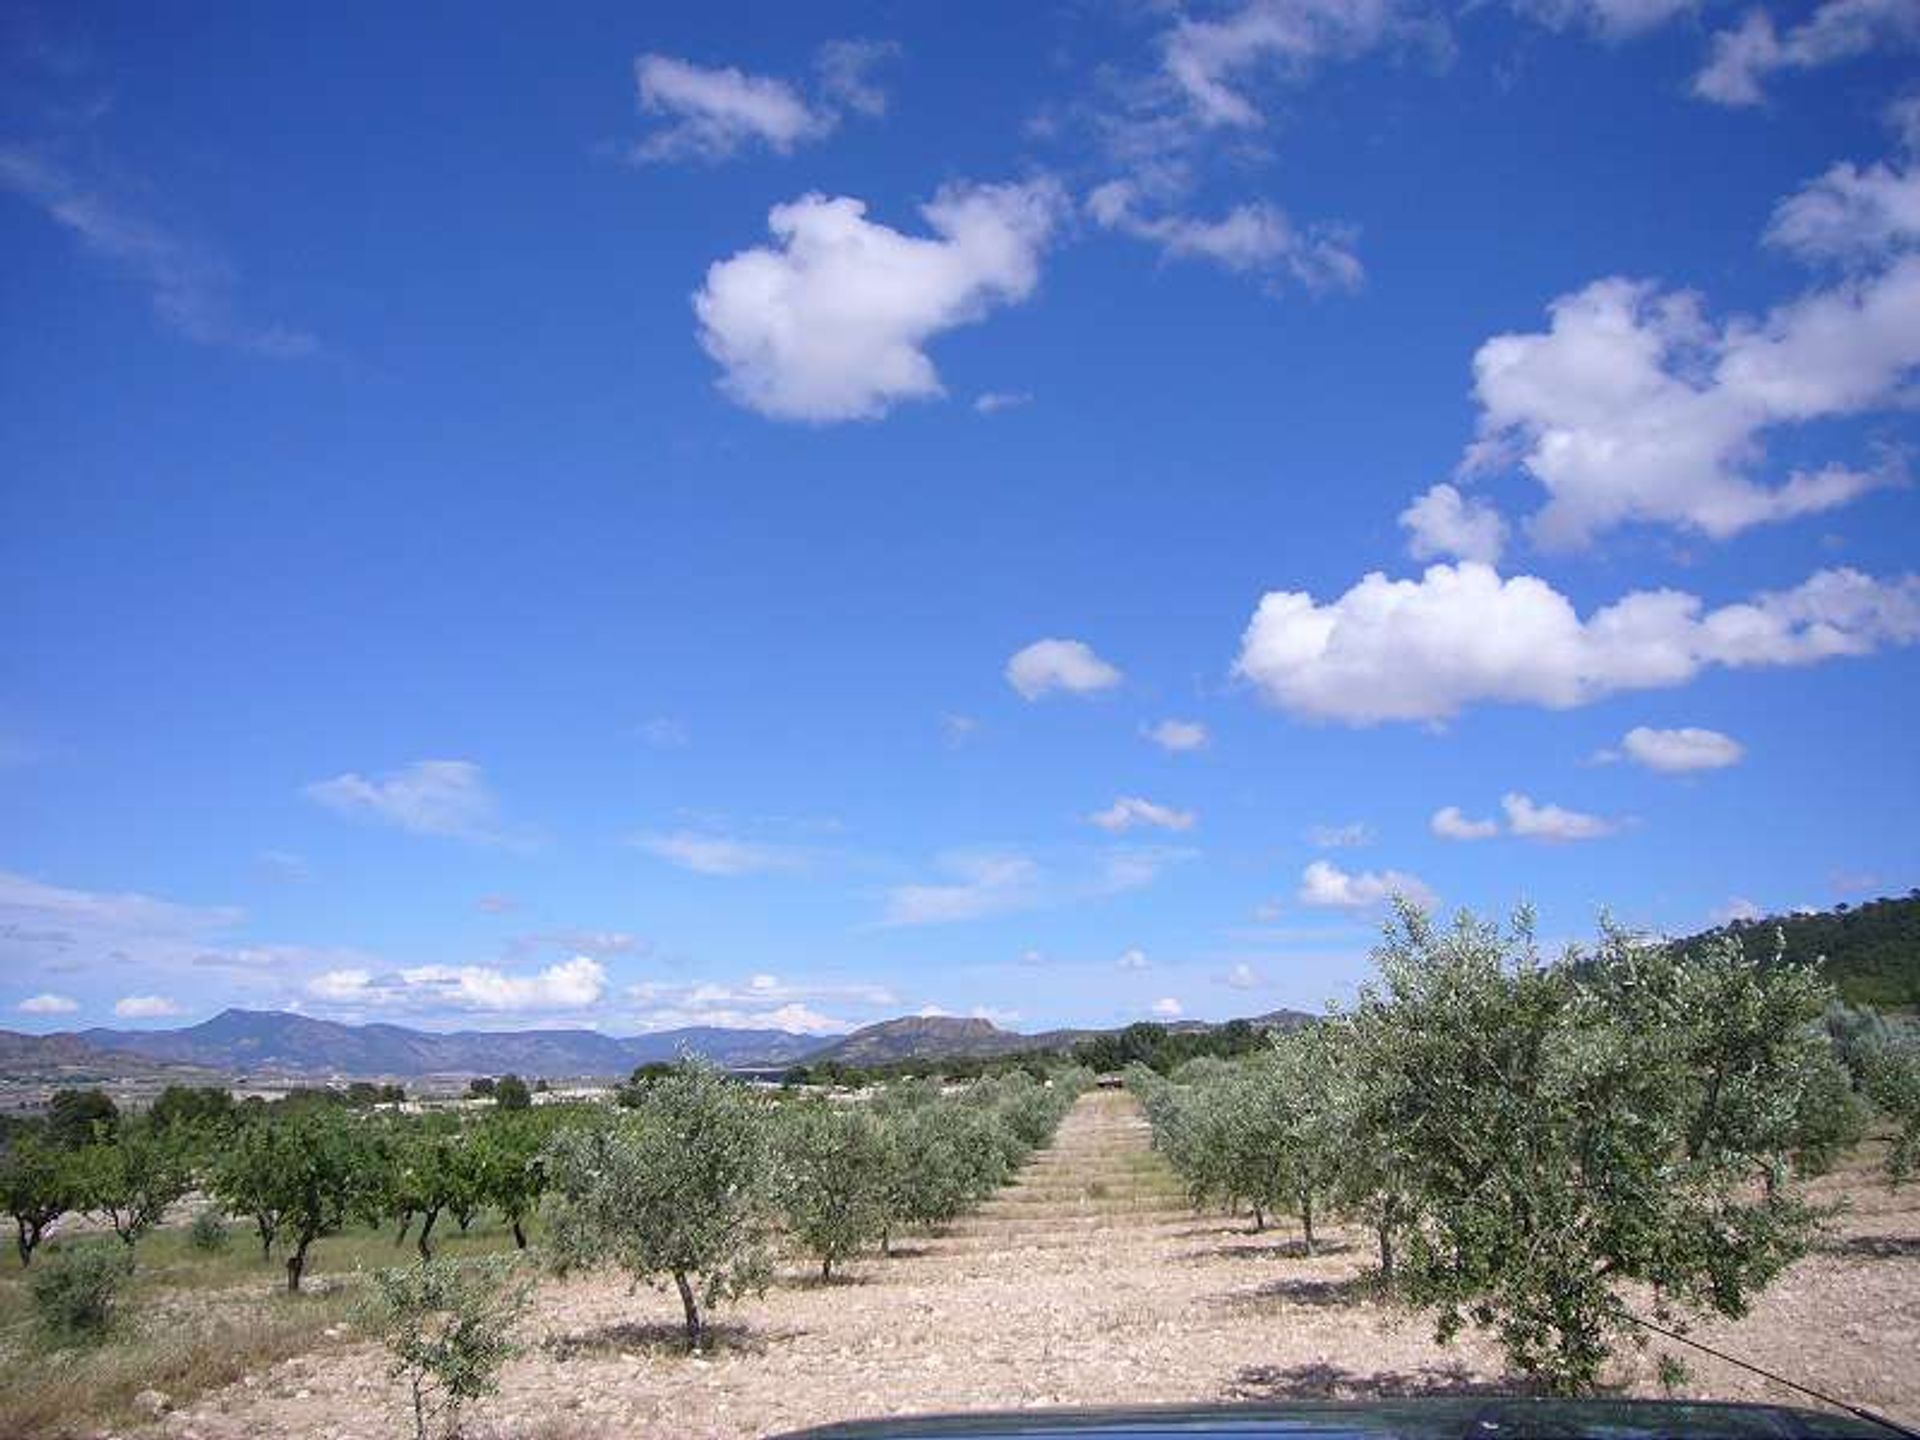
[1088,1282]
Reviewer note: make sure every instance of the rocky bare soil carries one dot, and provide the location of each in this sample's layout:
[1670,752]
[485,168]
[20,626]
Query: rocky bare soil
[1088,1282]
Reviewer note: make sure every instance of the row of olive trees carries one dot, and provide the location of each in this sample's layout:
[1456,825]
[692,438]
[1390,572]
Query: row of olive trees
[693,1181]
[1528,1138]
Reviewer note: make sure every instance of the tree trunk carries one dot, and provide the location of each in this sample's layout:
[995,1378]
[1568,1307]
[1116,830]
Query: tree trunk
[886,1239]
[1259,1219]
[1306,1219]
[406,1224]
[1386,1252]
[519,1235]
[296,1264]
[692,1307]
[463,1218]
[28,1238]
[426,1234]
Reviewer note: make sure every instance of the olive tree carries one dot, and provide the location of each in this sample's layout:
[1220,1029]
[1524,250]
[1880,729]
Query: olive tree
[674,1187]
[1891,1074]
[1571,1128]
[833,1180]
[449,1327]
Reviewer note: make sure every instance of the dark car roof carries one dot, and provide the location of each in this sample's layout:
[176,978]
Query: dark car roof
[1439,1418]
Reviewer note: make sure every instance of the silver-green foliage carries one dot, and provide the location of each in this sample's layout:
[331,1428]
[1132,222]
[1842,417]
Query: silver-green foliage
[675,1188]
[1891,1074]
[832,1180]
[75,1291]
[449,1328]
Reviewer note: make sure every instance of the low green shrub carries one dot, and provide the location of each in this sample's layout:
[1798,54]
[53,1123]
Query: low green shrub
[209,1232]
[75,1288]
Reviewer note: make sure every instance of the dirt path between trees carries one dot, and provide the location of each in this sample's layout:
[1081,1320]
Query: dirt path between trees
[1086,1282]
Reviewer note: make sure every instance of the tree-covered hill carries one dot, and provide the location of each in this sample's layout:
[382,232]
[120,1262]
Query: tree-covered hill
[1872,951]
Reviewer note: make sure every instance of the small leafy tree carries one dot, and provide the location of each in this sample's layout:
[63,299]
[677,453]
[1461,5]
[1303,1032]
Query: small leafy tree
[510,1093]
[449,1326]
[301,1175]
[134,1179]
[37,1186]
[1891,1075]
[674,1188]
[833,1189]
[1574,1127]
[509,1172]
[75,1290]
[75,1117]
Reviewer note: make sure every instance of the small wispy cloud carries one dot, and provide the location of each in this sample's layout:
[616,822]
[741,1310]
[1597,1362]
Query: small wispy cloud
[448,798]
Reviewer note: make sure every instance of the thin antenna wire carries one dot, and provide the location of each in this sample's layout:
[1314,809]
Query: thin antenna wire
[1860,1411]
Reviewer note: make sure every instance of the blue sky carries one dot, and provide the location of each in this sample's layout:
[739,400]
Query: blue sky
[635,517]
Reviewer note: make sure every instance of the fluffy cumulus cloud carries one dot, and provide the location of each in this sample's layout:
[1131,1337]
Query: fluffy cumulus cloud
[146,1007]
[1852,214]
[1738,909]
[713,113]
[1132,958]
[1462,635]
[762,1002]
[1178,736]
[1678,751]
[568,986]
[831,321]
[1326,885]
[1746,55]
[1243,977]
[1131,812]
[1168,1008]
[429,797]
[1634,406]
[706,854]
[47,1003]
[1068,666]
[1553,824]
[1444,524]
[1453,823]
[1256,238]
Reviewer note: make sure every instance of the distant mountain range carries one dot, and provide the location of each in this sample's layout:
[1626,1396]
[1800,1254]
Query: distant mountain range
[272,1042]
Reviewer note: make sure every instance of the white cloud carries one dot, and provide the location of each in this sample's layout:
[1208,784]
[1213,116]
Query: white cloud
[794,1017]
[1611,19]
[1132,958]
[570,985]
[47,1003]
[1210,60]
[1552,823]
[1744,56]
[1066,665]
[1340,837]
[190,288]
[846,73]
[1677,751]
[1255,238]
[1451,823]
[1326,885]
[759,990]
[429,797]
[988,885]
[52,930]
[1443,523]
[715,112]
[1634,407]
[959,729]
[1168,1008]
[1130,811]
[1178,736]
[1244,977]
[1850,214]
[706,854]
[831,322]
[145,1007]
[992,402]
[1738,907]
[1461,635]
